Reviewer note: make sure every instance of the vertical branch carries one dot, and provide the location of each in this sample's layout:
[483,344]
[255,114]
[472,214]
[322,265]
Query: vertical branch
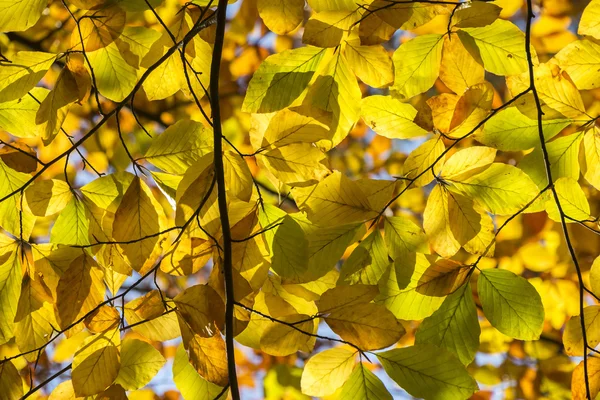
[547,167]
[222,200]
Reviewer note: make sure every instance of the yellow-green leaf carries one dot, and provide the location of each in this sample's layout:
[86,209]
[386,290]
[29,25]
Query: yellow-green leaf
[511,304]
[140,362]
[281,78]
[428,371]
[454,326]
[417,64]
[327,371]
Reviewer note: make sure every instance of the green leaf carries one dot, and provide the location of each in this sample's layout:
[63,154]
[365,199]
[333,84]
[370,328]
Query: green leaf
[281,78]
[509,130]
[511,304]
[415,289]
[364,385]
[454,326]
[428,371]
[500,46]
[368,262]
[563,155]
[417,64]
[140,362]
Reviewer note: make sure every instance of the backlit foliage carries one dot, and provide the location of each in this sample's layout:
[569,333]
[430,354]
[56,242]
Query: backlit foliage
[343,199]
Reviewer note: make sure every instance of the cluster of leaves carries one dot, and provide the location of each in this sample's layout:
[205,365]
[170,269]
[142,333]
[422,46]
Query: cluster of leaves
[330,196]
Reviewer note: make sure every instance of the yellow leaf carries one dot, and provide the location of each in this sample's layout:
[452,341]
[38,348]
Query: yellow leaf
[14,221]
[99,28]
[150,308]
[327,371]
[26,69]
[103,319]
[139,217]
[202,309]
[581,60]
[476,15]
[140,362]
[417,63]
[207,355]
[297,125]
[11,277]
[468,162]
[281,16]
[54,108]
[499,46]
[191,384]
[578,386]
[372,64]
[510,130]
[96,364]
[11,384]
[589,23]
[47,197]
[555,88]
[179,146]
[328,28]
[186,256]
[572,336]
[296,164]
[390,117]
[280,339]
[589,158]
[238,176]
[573,201]
[403,236]
[437,223]
[595,276]
[166,79]
[115,76]
[336,90]
[34,320]
[20,15]
[421,158]
[459,70]
[367,325]
[335,200]
[410,291]
[80,289]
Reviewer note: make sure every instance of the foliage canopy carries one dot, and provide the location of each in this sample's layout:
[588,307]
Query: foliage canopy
[333,198]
